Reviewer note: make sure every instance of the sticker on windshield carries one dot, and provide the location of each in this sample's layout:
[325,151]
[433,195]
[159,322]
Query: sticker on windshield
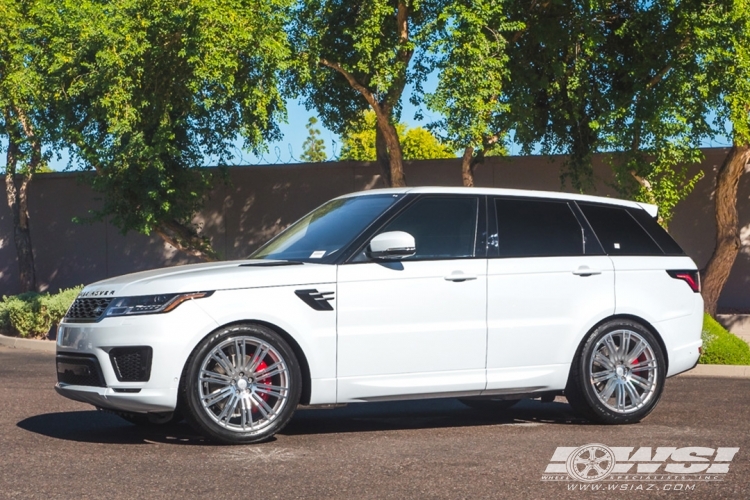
[317,254]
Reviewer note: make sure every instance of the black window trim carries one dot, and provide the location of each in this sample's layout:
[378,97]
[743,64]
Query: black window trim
[361,242]
[587,230]
[494,252]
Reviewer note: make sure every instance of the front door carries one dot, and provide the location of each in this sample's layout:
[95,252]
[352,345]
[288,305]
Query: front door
[416,326]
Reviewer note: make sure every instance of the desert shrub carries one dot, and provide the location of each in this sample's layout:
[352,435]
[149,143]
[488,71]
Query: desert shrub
[721,347]
[31,314]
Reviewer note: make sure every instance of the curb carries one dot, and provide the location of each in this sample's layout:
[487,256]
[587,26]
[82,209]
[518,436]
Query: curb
[727,371]
[28,344]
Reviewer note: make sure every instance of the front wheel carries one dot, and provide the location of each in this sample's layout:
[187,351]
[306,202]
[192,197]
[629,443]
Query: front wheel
[618,374]
[242,384]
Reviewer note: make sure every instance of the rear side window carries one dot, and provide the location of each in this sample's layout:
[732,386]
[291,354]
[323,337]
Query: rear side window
[618,232]
[443,227]
[535,228]
[662,238]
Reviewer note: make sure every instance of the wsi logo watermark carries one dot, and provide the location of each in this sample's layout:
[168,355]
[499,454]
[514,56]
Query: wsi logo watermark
[597,462]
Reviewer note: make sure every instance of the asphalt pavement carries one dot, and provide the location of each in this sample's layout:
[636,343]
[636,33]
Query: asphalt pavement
[51,447]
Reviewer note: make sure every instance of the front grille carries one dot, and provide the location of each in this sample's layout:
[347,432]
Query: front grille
[79,370]
[88,309]
[131,364]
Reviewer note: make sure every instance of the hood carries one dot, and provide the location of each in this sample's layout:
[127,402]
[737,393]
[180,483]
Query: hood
[212,276]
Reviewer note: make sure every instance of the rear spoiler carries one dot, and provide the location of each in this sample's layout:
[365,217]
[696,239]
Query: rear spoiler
[652,210]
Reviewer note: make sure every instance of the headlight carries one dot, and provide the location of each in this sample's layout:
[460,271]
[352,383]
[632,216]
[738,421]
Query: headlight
[151,304]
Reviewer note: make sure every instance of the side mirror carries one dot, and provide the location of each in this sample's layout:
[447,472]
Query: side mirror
[392,245]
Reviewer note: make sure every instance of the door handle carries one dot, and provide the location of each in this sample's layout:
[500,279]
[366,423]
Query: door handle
[586,271]
[459,276]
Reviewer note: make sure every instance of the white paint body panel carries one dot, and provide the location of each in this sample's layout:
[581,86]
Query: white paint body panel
[643,289]
[404,329]
[537,313]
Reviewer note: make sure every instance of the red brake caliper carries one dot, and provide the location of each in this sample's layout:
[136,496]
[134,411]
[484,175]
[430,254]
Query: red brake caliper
[262,366]
[637,360]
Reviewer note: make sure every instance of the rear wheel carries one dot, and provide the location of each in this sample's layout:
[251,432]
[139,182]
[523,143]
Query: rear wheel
[489,404]
[618,374]
[242,384]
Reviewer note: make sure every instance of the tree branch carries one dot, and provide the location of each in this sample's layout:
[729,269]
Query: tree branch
[369,96]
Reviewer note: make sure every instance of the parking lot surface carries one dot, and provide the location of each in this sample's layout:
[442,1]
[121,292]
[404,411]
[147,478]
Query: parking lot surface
[51,447]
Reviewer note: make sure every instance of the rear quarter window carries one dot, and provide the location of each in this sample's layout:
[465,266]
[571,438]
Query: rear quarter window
[618,231]
[662,237]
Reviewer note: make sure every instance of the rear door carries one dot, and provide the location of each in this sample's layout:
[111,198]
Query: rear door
[548,282]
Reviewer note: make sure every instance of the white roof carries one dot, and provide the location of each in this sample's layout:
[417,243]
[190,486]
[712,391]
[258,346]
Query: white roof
[651,209]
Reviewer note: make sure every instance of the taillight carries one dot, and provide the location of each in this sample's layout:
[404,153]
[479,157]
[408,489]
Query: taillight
[692,278]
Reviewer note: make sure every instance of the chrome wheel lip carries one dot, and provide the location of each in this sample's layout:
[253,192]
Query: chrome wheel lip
[624,380]
[233,392]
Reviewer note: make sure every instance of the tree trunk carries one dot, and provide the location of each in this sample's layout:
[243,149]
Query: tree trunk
[727,226]
[393,145]
[467,167]
[381,151]
[398,178]
[187,240]
[17,202]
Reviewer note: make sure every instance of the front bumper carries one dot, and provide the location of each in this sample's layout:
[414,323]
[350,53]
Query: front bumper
[171,338]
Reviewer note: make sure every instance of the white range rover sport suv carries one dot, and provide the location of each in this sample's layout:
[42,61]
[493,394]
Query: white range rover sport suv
[487,295]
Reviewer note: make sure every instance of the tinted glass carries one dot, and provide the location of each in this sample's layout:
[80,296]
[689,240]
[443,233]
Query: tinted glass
[531,228]
[443,227]
[662,238]
[326,230]
[618,231]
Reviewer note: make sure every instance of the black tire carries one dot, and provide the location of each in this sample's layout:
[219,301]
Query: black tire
[583,392]
[489,404]
[205,418]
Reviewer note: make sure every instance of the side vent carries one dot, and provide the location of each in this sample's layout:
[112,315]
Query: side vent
[315,299]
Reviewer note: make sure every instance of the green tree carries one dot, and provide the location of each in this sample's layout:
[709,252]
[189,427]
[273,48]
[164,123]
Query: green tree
[722,41]
[147,89]
[314,149]
[358,142]
[357,54]
[584,80]
[24,119]
[473,70]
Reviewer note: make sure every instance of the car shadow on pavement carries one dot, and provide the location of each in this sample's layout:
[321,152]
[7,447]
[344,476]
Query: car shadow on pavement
[425,414]
[102,427]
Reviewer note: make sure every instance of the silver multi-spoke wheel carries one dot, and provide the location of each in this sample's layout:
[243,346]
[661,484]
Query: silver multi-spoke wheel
[624,371]
[618,373]
[243,384]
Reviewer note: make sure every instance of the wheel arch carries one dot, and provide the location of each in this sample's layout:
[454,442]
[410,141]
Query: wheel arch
[289,339]
[646,324]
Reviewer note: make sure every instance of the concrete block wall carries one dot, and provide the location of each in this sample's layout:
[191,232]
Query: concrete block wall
[259,201]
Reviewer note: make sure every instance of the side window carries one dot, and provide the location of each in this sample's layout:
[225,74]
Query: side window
[443,227]
[662,238]
[537,228]
[618,232]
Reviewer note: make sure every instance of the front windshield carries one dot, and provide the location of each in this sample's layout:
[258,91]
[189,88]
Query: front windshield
[326,230]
